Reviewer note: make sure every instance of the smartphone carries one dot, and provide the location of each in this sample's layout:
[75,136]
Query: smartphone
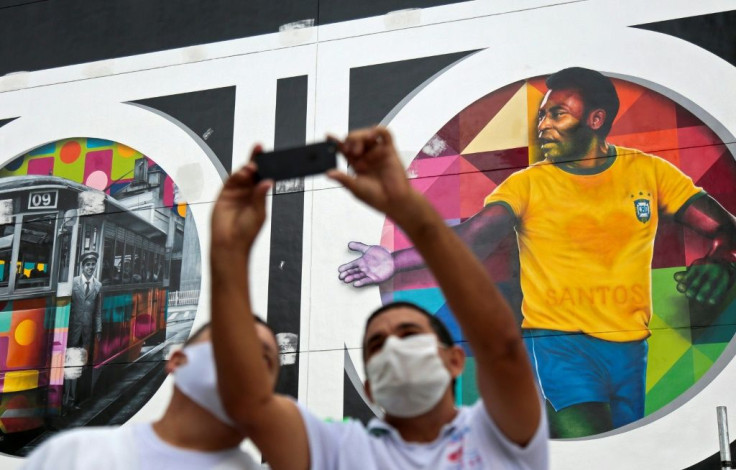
[296,162]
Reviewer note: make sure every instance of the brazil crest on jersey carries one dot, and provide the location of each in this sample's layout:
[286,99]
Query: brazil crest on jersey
[586,240]
[643,210]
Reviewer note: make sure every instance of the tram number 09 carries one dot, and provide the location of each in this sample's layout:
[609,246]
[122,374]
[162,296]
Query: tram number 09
[42,200]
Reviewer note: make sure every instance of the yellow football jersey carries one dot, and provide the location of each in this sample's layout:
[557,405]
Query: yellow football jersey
[586,240]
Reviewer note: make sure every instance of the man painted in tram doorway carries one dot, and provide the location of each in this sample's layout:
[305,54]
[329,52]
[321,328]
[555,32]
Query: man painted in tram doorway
[85,324]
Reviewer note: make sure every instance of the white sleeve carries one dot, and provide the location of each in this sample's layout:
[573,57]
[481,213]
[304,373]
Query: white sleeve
[534,455]
[325,440]
[85,448]
[53,450]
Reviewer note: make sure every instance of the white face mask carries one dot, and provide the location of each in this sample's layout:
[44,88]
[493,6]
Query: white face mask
[197,379]
[407,376]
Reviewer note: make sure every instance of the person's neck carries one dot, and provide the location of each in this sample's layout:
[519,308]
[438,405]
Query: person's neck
[425,428]
[187,425]
[87,278]
[596,155]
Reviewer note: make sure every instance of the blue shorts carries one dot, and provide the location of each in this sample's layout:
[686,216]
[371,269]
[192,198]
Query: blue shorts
[574,368]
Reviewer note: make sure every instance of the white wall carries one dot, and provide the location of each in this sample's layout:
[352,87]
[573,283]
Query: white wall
[517,39]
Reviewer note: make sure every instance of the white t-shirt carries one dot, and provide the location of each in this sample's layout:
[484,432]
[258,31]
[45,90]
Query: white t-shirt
[127,448]
[470,441]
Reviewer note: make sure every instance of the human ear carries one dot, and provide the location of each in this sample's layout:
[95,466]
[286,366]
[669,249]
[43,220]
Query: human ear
[177,359]
[456,360]
[367,389]
[596,119]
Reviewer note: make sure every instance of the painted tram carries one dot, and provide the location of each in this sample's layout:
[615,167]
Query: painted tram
[46,225]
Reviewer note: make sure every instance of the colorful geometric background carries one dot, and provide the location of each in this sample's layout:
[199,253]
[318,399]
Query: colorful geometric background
[97,163]
[495,136]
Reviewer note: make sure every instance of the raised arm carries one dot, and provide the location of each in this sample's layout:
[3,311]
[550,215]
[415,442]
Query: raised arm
[709,279]
[243,380]
[504,375]
[482,233]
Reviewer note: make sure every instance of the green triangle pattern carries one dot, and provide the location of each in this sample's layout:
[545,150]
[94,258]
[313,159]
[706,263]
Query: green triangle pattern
[711,350]
[678,379]
[668,304]
[701,364]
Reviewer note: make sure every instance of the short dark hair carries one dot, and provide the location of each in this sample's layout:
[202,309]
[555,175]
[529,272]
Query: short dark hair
[439,328]
[596,89]
[195,336]
[443,334]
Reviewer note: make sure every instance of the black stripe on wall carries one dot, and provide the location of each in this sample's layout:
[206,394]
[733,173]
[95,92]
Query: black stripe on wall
[376,89]
[207,113]
[287,224]
[715,32]
[5,121]
[43,34]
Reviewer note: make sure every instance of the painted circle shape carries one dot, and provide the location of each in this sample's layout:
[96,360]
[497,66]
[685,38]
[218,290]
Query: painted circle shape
[480,146]
[70,151]
[25,332]
[634,55]
[131,260]
[97,179]
[125,151]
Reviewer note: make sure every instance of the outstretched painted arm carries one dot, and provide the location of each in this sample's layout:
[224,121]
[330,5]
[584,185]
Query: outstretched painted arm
[243,379]
[504,374]
[709,279]
[481,233]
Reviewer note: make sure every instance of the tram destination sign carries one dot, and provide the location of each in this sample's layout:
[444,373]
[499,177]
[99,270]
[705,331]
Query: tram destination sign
[43,199]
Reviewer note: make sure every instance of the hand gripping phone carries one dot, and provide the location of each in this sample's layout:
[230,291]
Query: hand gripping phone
[297,162]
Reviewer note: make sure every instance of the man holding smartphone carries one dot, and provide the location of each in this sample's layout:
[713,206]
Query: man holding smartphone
[422,427]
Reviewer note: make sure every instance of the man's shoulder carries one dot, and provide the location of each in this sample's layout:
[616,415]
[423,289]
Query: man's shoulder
[634,154]
[100,434]
[534,170]
[68,446]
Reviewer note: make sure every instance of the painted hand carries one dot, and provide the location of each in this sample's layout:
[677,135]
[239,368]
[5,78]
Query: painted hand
[240,209]
[705,281]
[374,266]
[380,180]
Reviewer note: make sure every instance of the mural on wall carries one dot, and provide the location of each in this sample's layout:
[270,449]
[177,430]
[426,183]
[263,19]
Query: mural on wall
[605,314]
[95,286]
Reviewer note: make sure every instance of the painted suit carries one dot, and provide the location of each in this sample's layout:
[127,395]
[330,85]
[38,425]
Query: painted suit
[85,319]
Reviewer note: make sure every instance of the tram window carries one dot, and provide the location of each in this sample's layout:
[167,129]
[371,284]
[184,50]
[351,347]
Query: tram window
[36,248]
[150,267]
[144,271]
[158,269]
[127,266]
[6,252]
[108,261]
[90,234]
[135,272]
[65,251]
[117,276]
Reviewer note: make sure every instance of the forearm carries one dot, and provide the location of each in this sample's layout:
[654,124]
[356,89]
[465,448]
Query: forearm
[483,314]
[481,233]
[504,375]
[407,260]
[243,379]
[707,217]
